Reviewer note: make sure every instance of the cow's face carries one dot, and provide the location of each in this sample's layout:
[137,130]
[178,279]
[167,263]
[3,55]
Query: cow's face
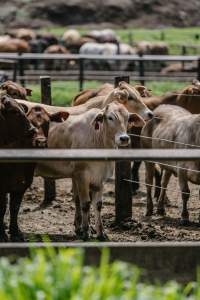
[15,91]
[41,119]
[134,103]
[115,119]
[15,128]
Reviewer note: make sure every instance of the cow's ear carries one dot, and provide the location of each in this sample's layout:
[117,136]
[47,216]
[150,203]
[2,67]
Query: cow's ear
[28,92]
[135,120]
[121,96]
[60,116]
[97,120]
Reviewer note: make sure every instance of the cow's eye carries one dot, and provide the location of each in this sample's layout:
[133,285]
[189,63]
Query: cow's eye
[110,118]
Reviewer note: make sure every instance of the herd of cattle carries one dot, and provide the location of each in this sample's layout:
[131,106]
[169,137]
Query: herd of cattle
[102,42]
[98,118]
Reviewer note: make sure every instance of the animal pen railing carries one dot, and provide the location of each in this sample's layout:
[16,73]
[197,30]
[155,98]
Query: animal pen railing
[162,261]
[81,73]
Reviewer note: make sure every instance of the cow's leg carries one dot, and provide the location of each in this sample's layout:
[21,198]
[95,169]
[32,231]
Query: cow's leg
[84,196]
[165,180]
[149,174]
[97,204]
[15,202]
[3,204]
[135,175]
[78,216]
[158,178]
[183,183]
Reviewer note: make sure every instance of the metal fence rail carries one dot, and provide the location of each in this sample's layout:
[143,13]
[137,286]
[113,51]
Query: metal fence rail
[38,155]
[82,73]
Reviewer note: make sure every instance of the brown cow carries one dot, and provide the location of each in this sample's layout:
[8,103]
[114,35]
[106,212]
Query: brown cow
[15,90]
[16,131]
[14,45]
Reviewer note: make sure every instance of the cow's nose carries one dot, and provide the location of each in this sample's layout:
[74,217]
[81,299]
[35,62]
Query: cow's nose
[41,143]
[124,138]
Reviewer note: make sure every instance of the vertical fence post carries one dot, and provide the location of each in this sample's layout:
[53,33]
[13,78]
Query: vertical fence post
[198,69]
[49,184]
[123,190]
[21,70]
[81,73]
[183,52]
[141,70]
[15,69]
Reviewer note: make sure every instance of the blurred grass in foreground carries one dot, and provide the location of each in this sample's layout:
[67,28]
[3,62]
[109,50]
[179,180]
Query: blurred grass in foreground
[63,92]
[50,275]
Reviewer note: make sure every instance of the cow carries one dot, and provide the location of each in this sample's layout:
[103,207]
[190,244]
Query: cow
[188,98]
[96,128]
[104,89]
[14,45]
[152,48]
[107,49]
[56,64]
[134,103]
[23,33]
[103,36]
[17,131]
[180,126]
[14,90]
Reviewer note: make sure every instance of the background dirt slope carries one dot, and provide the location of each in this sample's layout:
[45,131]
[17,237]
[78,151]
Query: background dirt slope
[138,13]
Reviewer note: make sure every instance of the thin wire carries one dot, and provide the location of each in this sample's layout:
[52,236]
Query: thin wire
[164,140]
[174,166]
[156,186]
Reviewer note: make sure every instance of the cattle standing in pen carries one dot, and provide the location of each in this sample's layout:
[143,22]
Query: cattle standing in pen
[96,128]
[175,124]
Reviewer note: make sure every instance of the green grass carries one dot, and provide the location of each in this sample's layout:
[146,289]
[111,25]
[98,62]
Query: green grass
[172,36]
[63,92]
[61,275]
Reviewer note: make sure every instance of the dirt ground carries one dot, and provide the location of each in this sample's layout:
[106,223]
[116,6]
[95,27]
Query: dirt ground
[57,220]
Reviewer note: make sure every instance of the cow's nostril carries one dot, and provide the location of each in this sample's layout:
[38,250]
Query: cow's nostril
[124,138]
[150,115]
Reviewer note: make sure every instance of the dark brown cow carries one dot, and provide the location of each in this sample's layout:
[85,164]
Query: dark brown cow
[16,131]
[15,91]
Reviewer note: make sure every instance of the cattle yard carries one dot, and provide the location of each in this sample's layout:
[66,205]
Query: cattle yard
[156,243]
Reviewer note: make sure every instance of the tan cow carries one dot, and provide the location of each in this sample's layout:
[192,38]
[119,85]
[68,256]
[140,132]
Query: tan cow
[14,45]
[133,102]
[172,123]
[15,90]
[103,90]
[96,128]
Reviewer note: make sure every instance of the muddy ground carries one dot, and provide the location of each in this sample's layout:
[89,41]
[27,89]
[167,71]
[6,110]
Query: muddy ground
[57,220]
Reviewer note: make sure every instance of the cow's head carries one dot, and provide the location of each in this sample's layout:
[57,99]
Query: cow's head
[132,100]
[143,90]
[114,119]
[41,119]
[15,128]
[15,91]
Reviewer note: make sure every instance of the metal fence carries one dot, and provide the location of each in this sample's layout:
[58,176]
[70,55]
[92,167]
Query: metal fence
[143,72]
